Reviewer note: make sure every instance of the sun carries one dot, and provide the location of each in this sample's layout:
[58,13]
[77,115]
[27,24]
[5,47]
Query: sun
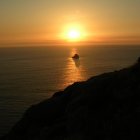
[73,34]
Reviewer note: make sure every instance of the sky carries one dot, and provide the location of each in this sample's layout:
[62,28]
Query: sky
[101,21]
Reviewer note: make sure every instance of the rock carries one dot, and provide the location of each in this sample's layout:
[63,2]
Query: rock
[104,107]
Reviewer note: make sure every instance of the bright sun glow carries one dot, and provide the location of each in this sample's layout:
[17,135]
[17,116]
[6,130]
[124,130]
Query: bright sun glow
[74,35]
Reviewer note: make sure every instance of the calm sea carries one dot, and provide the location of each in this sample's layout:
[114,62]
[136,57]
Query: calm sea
[29,75]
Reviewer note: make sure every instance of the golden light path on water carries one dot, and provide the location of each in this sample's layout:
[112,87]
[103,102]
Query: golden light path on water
[74,71]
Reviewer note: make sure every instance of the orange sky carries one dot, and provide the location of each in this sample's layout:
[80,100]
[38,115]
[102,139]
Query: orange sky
[102,21]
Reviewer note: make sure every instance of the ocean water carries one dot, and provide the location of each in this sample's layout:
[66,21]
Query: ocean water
[29,75]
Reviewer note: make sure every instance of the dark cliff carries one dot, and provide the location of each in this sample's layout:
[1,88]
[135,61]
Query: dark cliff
[104,107]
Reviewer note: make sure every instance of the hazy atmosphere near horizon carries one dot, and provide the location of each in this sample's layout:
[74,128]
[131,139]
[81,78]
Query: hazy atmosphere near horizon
[42,21]
[47,45]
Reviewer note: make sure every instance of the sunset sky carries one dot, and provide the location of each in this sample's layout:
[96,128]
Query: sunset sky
[99,21]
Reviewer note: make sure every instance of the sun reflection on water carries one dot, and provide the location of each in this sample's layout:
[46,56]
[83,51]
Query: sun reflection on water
[73,71]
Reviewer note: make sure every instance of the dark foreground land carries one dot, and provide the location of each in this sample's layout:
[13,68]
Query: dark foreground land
[105,107]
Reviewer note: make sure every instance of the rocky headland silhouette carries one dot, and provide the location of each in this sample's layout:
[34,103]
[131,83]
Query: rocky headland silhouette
[105,107]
